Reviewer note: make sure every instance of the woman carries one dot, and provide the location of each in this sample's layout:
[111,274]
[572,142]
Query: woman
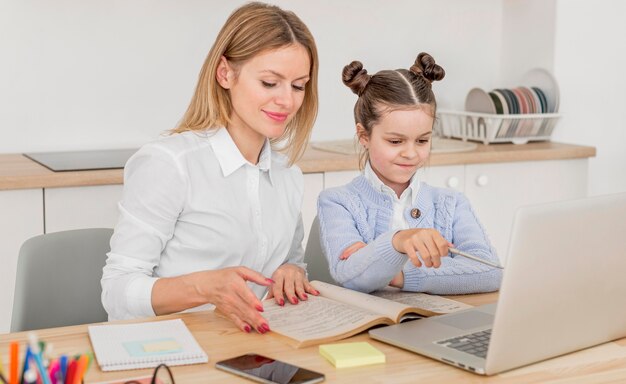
[209,212]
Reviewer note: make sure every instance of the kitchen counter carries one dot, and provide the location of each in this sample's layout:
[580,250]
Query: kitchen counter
[19,172]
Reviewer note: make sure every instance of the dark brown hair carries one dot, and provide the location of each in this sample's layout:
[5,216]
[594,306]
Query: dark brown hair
[389,90]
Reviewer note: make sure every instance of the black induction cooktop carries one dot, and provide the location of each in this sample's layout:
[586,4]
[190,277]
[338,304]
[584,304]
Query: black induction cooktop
[82,160]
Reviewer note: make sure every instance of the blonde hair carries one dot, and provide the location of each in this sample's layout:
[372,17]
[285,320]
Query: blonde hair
[252,29]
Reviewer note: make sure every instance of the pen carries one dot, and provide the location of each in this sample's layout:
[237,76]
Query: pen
[467,255]
[71,371]
[81,366]
[25,367]
[2,378]
[36,353]
[14,351]
[53,371]
[63,368]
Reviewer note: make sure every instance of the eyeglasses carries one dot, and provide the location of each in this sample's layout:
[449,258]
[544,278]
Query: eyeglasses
[162,375]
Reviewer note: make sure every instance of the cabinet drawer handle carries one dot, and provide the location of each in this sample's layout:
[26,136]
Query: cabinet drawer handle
[453,182]
[482,180]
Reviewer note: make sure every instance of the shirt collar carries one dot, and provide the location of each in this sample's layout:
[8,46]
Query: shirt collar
[378,185]
[230,158]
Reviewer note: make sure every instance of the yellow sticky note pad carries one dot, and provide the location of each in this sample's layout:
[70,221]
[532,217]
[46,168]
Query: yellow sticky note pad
[161,346]
[346,355]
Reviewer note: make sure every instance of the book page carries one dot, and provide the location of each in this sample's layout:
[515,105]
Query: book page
[362,300]
[432,303]
[318,318]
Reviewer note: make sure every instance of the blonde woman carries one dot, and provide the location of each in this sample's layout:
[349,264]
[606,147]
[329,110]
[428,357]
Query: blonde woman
[210,215]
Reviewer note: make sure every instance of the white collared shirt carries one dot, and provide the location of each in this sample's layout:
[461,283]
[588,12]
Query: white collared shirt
[401,204]
[192,202]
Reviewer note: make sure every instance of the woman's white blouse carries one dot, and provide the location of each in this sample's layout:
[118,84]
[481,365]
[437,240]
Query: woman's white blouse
[192,202]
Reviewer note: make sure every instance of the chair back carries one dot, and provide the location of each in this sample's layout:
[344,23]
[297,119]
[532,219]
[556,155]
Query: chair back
[317,265]
[58,279]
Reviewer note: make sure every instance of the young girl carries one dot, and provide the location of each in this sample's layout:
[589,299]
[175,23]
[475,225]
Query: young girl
[211,211]
[386,227]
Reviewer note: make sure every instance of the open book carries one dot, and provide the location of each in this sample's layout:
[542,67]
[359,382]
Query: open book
[339,312]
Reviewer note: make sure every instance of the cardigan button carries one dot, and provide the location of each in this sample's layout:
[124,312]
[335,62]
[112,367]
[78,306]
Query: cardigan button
[415,213]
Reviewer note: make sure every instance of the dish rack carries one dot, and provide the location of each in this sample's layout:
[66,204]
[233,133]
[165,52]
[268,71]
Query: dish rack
[488,128]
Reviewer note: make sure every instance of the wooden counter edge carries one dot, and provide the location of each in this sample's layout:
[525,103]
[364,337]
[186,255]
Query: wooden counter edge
[19,172]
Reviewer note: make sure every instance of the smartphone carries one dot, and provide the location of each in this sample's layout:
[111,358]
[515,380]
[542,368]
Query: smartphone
[262,369]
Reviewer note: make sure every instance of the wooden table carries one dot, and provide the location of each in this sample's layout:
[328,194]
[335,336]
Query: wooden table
[221,340]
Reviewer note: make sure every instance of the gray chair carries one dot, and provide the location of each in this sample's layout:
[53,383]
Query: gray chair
[58,279]
[317,265]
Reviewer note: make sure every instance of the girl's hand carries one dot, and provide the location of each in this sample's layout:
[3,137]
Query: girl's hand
[227,290]
[291,281]
[351,249]
[397,281]
[423,246]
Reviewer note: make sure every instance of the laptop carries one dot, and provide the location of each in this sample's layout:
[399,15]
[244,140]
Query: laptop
[563,290]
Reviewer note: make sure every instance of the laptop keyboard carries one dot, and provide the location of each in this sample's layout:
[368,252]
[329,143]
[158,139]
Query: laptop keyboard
[474,343]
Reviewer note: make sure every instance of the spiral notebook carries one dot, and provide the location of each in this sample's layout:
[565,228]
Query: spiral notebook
[144,345]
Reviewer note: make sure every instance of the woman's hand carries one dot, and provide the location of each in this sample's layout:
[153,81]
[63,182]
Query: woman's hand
[290,281]
[227,290]
[423,246]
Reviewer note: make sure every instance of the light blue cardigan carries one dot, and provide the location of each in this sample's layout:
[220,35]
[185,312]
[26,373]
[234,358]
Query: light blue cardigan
[357,212]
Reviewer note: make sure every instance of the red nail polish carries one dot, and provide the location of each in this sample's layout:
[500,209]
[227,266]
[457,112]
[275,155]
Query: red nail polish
[261,330]
[266,327]
[294,300]
[305,295]
[281,302]
[317,292]
[270,281]
[247,328]
[259,308]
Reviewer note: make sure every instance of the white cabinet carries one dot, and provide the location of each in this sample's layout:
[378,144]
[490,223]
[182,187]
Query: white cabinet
[497,190]
[447,176]
[22,218]
[81,207]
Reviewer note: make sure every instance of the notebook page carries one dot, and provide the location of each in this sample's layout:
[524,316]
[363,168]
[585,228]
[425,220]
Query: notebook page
[144,345]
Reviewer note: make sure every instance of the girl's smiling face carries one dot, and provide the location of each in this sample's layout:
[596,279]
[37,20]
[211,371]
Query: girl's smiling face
[399,144]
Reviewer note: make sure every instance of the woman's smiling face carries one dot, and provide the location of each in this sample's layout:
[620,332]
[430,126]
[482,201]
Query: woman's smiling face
[266,91]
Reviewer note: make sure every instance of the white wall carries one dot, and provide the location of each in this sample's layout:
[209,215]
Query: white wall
[590,63]
[78,74]
[527,38]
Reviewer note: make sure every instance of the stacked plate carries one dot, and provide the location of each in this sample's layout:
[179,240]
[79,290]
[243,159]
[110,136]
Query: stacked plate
[539,94]
[512,114]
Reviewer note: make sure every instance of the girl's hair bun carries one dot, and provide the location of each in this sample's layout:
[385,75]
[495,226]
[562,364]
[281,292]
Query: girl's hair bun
[426,67]
[355,77]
